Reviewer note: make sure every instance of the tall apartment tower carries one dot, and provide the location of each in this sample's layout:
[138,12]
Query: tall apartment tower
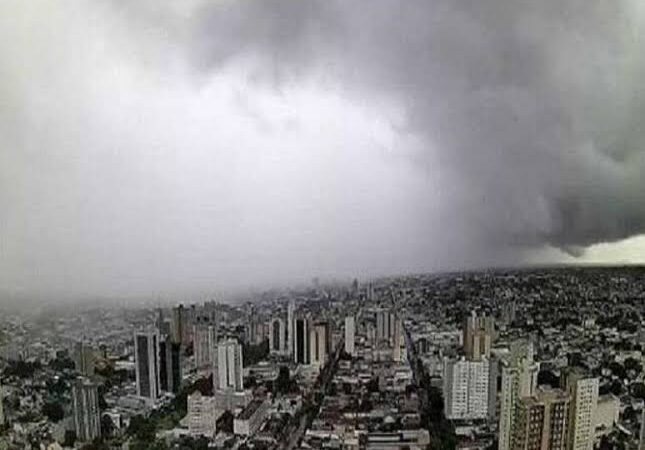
[230,366]
[1,408]
[278,337]
[350,335]
[84,358]
[146,354]
[583,392]
[466,389]
[204,344]
[169,365]
[519,380]
[178,320]
[398,351]
[641,435]
[385,324]
[478,336]
[319,343]
[542,421]
[301,349]
[290,325]
[85,403]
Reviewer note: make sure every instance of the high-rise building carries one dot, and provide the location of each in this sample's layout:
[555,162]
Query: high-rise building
[277,337]
[398,351]
[202,415]
[318,343]
[583,392]
[350,331]
[542,421]
[519,380]
[478,336]
[384,325]
[177,323]
[146,353]
[466,389]
[290,330]
[84,359]
[169,365]
[641,435]
[1,407]
[301,341]
[204,344]
[85,404]
[230,365]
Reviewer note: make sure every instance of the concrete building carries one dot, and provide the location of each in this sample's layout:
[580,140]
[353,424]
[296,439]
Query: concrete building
[466,389]
[85,406]
[606,414]
[478,336]
[177,324]
[584,397]
[301,347]
[519,380]
[169,365]
[290,325]
[350,335]
[202,415]
[230,365]
[278,337]
[384,326]
[84,359]
[2,420]
[542,421]
[204,344]
[251,418]
[319,343]
[146,354]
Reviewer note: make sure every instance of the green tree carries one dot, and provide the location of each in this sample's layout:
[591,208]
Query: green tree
[54,411]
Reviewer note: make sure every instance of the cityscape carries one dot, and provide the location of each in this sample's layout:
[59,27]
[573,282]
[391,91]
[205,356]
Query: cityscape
[503,359]
[322,225]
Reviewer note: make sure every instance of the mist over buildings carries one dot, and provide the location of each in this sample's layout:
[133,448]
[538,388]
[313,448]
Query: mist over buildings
[153,149]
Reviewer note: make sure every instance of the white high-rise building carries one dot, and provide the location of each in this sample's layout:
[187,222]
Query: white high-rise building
[204,345]
[84,359]
[583,392]
[519,380]
[350,337]
[384,325]
[230,365]
[318,343]
[398,349]
[85,403]
[202,415]
[146,354]
[466,389]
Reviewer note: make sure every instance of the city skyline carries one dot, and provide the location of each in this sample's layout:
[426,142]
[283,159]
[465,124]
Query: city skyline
[156,149]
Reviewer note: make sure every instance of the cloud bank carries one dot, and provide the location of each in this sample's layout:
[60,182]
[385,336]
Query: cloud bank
[156,149]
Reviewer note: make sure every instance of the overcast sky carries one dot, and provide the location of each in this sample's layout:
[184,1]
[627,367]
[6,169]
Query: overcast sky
[167,148]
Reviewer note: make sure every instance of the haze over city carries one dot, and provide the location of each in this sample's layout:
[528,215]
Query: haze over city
[165,148]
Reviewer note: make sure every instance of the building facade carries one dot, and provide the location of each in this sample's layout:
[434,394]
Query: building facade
[350,335]
[85,405]
[146,351]
[230,365]
[583,392]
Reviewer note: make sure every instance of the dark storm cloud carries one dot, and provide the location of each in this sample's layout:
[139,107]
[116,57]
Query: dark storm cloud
[170,147]
[536,107]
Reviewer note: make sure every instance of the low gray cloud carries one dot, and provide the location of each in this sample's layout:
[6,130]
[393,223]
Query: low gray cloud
[535,107]
[154,149]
